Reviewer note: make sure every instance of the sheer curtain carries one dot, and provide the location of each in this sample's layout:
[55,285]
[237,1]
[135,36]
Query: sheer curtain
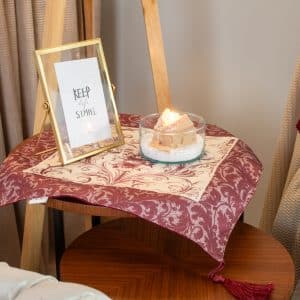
[282,204]
[21,29]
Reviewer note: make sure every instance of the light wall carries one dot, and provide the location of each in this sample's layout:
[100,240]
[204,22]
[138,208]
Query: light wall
[230,61]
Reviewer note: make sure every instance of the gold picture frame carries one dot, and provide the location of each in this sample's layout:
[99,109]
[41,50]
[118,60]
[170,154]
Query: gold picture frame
[84,118]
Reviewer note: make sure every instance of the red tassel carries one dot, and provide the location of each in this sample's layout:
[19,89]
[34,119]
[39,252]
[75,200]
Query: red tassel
[242,290]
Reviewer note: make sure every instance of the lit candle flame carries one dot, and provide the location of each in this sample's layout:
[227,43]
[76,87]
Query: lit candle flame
[168,117]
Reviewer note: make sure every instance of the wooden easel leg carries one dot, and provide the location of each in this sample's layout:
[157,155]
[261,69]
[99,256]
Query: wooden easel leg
[32,237]
[157,54]
[88,12]
[52,36]
[88,33]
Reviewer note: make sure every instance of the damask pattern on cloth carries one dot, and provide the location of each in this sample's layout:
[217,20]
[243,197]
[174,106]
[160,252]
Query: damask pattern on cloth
[207,220]
[124,167]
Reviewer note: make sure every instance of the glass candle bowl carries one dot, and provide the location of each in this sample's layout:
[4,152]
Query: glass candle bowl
[182,146]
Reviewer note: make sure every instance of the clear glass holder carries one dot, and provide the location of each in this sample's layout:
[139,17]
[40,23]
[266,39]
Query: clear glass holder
[183,146]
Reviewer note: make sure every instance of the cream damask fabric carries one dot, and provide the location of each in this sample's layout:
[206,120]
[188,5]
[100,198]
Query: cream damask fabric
[106,169]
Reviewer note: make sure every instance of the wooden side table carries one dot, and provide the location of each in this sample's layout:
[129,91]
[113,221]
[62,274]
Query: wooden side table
[135,259]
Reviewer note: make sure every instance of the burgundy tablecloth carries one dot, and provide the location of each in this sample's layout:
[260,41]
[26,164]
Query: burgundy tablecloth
[208,222]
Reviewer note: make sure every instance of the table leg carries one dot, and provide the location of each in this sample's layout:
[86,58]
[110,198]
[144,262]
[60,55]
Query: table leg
[32,237]
[242,218]
[96,220]
[59,234]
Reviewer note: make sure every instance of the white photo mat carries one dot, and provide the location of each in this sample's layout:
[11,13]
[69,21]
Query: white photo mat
[83,101]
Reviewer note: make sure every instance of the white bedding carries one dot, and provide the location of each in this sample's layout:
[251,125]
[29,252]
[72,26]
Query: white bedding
[18,284]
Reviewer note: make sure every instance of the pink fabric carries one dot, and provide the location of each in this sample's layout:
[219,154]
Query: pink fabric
[208,222]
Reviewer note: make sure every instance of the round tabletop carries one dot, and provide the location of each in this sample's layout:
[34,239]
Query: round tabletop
[135,259]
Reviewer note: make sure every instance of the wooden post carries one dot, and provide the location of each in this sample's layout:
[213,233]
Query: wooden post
[35,213]
[32,238]
[157,55]
[52,36]
[88,12]
[89,33]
